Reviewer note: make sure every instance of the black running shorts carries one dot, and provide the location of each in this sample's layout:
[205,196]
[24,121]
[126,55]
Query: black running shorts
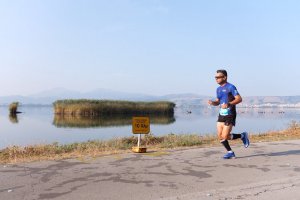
[228,119]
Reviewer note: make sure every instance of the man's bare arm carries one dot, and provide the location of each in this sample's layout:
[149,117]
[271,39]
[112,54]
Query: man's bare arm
[214,103]
[237,99]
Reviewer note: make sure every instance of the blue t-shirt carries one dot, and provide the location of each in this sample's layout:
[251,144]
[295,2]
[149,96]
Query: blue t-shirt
[226,94]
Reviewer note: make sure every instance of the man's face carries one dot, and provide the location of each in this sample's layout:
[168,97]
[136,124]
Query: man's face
[220,78]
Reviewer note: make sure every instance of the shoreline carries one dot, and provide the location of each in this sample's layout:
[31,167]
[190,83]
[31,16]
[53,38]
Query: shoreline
[98,148]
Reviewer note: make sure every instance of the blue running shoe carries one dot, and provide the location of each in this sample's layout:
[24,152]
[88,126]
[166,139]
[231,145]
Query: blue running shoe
[245,139]
[229,155]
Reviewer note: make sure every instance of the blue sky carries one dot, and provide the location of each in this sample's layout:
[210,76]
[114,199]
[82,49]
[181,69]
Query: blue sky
[149,46]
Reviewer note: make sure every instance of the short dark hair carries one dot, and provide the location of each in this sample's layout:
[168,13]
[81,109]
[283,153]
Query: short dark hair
[223,71]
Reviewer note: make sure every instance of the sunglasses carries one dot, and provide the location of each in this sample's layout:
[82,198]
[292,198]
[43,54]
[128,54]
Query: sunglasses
[218,77]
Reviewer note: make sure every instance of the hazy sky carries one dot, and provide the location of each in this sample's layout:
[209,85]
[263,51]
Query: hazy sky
[149,46]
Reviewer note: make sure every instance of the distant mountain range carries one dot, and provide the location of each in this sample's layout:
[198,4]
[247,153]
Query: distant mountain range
[49,96]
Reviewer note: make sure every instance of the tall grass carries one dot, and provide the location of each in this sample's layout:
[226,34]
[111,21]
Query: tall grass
[85,107]
[93,148]
[13,108]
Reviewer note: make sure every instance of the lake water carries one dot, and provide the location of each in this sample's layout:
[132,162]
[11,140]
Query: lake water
[38,125]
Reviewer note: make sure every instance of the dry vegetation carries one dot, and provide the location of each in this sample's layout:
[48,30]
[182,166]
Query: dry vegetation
[13,108]
[16,154]
[85,107]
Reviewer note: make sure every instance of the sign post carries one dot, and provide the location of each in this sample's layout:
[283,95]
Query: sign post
[140,125]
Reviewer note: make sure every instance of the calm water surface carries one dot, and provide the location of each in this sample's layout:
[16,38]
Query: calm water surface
[38,125]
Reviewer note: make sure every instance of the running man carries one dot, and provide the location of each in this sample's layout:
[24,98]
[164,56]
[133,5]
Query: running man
[227,97]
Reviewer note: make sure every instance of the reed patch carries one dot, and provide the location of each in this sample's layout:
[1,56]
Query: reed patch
[85,107]
[13,108]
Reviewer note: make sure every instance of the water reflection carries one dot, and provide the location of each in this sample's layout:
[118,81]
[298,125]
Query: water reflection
[63,121]
[246,112]
[38,124]
[13,118]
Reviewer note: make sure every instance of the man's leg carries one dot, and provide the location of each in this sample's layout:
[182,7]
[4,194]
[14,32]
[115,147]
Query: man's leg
[226,136]
[243,136]
[220,126]
[223,132]
[233,136]
[226,131]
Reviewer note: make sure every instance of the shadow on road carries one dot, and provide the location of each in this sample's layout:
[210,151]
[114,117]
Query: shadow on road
[282,153]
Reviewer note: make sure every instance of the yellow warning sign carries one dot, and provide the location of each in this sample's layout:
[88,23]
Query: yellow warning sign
[140,125]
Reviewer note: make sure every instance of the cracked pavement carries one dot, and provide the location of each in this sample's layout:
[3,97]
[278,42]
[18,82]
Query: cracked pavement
[263,171]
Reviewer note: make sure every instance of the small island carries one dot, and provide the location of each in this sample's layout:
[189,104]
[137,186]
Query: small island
[86,107]
[13,108]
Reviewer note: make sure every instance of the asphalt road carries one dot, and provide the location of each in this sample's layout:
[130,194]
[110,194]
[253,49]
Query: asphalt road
[263,171]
